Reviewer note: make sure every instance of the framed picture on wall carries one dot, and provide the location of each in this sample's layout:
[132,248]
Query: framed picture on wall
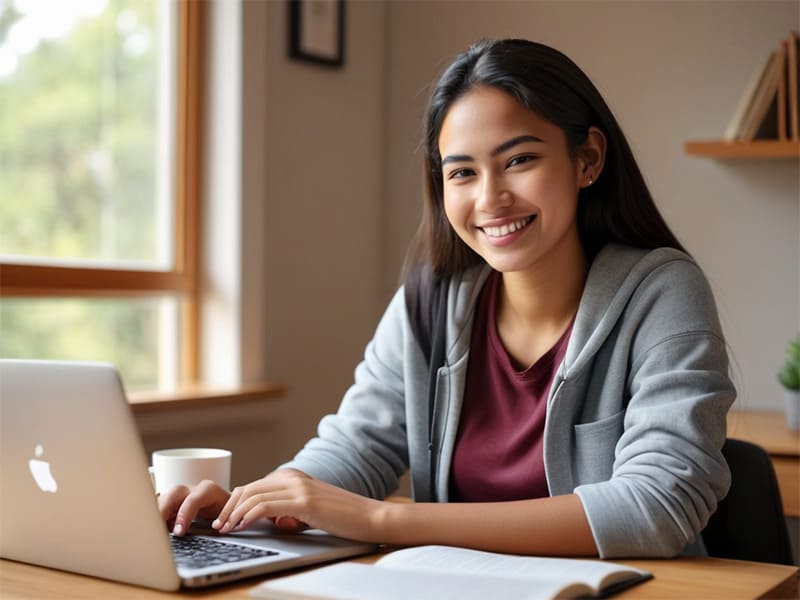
[316,31]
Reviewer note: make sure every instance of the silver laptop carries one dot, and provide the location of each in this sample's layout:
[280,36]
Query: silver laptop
[75,493]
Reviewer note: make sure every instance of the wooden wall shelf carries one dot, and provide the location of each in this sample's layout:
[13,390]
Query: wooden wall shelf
[743,150]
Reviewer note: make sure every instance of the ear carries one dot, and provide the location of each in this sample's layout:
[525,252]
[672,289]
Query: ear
[591,157]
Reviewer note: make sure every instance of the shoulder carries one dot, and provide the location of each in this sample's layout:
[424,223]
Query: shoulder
[620,272]
[636,293]
[670,277]
[620,262]
[669,296]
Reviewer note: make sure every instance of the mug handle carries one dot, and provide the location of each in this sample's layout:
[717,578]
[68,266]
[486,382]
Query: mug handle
[152,471]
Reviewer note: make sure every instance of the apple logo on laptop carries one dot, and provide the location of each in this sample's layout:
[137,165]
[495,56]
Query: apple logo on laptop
[40,469]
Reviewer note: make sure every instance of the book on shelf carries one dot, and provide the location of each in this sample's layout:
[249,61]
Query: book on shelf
[769,108]
[763,103]
[445,572]
[781,99]
[732,132]
[770,124]
[793,99]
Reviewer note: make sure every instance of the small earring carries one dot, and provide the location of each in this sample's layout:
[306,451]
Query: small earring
[591,181]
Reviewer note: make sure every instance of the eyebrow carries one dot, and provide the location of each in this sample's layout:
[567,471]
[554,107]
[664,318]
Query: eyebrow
[507,145]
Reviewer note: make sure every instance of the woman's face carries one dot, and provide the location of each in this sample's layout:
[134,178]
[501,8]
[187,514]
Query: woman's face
[510,186]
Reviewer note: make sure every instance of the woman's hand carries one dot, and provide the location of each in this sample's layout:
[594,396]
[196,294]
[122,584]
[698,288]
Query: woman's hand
[292,499]
[180,505]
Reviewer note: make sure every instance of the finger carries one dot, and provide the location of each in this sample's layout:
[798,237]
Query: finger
[205,494]
[274,482]
[277,510]
[245,506]
[264,509]
[241,495]
[170,501]
[230,505]
[287,523]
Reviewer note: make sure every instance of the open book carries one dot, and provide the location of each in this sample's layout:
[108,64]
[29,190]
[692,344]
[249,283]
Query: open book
[443,572]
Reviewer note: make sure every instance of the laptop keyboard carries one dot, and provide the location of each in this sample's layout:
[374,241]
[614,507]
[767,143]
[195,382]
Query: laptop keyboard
[197,553]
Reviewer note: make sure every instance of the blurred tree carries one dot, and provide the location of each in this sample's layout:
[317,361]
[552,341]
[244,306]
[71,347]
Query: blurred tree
[78,160]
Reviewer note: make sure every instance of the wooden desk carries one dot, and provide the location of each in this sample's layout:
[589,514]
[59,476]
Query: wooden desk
[707,578]
[768,430]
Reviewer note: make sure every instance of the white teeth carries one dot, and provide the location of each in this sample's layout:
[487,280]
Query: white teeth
[507,228]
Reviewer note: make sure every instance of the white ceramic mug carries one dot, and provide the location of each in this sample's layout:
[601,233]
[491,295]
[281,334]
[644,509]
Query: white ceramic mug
[189,466]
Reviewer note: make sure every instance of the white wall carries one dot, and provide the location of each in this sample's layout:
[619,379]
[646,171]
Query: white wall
[671,71]
[322,167]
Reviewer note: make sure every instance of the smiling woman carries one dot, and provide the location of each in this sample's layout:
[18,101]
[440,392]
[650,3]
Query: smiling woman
[541,373]
[99,119]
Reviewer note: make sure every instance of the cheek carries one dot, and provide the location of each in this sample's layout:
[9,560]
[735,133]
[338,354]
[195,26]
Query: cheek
[557,189]
[453,209]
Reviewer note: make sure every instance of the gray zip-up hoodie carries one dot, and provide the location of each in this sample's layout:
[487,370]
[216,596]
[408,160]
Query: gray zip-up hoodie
[635,415]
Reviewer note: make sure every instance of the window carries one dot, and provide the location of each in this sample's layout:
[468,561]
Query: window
[99,181]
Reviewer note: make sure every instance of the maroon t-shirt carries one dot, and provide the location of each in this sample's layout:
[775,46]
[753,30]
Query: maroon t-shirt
[498,453]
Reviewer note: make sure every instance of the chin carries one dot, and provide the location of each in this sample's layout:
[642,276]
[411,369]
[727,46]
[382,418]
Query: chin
[507,264]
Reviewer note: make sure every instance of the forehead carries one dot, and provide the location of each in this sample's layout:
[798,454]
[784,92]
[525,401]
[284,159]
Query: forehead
[484,117]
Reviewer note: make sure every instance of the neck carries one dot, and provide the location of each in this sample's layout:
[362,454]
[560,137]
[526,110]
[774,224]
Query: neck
[545,297]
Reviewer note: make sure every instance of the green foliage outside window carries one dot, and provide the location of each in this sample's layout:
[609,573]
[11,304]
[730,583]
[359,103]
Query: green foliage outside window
[123,332]
[77,137]
[79,157]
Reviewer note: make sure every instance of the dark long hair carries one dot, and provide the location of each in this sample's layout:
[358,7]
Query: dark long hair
[618,207]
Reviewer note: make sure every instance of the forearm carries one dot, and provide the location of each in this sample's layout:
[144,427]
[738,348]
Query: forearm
[544,526]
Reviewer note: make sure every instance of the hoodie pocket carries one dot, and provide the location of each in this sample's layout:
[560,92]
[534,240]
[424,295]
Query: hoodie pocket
[594,448]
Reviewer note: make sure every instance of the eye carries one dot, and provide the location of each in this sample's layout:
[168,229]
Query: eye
[460,173]
[521,159]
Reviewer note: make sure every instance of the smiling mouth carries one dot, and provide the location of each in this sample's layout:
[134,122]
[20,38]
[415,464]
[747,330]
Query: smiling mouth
[504,230]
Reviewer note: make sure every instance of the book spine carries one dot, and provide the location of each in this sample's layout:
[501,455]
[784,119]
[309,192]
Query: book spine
[794,85]
[734,129]
[762,102]
[782,99]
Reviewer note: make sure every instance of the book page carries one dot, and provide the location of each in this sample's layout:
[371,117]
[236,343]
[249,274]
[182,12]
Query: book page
[439,559]
[354,581]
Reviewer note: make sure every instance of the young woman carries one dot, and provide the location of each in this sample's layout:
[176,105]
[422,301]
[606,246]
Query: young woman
[580,408]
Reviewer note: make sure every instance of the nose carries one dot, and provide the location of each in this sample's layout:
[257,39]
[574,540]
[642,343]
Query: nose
[493,194]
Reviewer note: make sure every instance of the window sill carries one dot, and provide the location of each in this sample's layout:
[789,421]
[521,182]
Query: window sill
[195,396]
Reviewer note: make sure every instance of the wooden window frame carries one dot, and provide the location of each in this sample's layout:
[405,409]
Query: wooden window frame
[45,280]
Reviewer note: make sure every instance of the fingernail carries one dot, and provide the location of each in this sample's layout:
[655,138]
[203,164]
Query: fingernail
[178,529]
[216,524]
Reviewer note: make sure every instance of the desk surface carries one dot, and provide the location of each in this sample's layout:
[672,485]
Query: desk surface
[767,429]
[707,578]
